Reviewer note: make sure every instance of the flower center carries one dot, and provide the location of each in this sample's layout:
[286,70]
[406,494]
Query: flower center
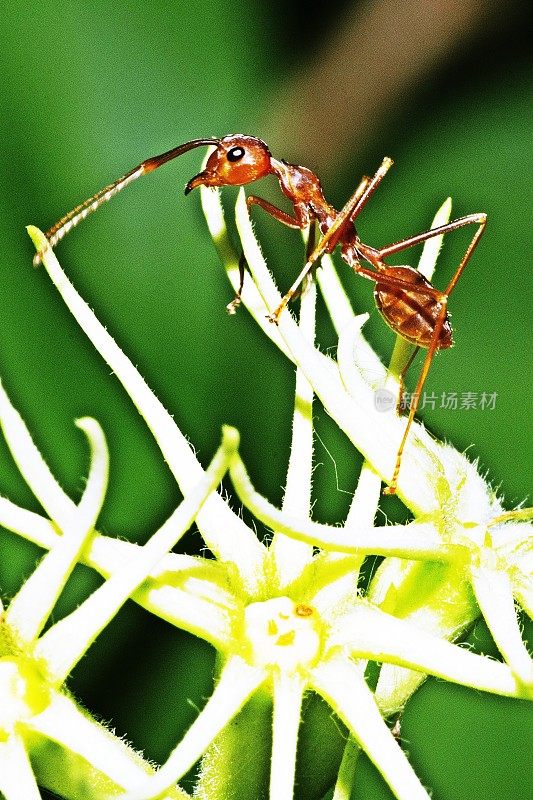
[282,633]
[22,693]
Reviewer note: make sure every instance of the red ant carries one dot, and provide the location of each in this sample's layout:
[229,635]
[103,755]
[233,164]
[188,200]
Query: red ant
[410,305]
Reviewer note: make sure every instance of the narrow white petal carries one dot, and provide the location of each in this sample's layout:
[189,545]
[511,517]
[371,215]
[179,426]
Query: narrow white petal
[376,435]
[288,695]
[224,532]
[290,555]
[17,781]
[30,525]
[370,633]
[494,593]
[432,247]
[31,607]
[189,592]
[64,644]
[65,723]
[251,299]
[237,683]
[31,463]
[342,686]
[416,540]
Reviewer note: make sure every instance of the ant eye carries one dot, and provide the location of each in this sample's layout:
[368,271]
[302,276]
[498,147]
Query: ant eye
[235,154]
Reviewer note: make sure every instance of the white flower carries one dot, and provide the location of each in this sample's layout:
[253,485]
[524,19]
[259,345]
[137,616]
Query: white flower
[287,620]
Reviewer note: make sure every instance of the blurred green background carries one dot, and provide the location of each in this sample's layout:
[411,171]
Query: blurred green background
[90,90]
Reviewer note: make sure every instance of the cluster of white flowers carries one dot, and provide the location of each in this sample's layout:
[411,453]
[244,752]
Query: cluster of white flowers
[287,618]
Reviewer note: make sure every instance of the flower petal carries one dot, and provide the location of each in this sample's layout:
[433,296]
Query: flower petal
[370,633]
[224,532]
[341,684]
[288,695]
[64,643]
[31,607]
[17,781]
[237,682]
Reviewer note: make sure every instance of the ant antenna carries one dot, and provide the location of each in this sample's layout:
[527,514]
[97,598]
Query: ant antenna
[70,220]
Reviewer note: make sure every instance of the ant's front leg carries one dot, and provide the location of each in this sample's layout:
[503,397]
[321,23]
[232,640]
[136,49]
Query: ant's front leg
[332,237]
[297,222]
[232,307]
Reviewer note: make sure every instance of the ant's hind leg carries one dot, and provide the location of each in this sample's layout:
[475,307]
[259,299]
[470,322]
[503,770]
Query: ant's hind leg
[472,219]
[401,378]
[433,347]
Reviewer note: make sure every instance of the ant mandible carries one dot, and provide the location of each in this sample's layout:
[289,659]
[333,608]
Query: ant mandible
[408,302]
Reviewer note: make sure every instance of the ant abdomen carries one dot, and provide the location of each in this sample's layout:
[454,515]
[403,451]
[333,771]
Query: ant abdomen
[411,306]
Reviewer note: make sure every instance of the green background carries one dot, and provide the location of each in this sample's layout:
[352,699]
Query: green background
[89,90]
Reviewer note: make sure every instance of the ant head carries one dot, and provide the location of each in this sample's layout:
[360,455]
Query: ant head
[237,160]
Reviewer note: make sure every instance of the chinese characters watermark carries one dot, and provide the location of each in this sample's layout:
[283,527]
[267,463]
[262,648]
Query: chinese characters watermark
[385,400]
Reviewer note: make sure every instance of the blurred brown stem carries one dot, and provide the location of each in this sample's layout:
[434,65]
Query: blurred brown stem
[368,68]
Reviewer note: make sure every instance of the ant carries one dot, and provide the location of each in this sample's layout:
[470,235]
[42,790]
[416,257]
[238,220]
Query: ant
[408,302]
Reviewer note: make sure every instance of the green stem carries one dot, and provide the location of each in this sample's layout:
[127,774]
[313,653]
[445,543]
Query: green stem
[345,780]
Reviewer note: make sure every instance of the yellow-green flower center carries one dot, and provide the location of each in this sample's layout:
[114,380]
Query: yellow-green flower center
[282,633]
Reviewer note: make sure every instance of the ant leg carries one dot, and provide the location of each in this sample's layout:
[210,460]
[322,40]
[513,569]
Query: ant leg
[461,222]
[375,256]
[334,233]
[477,219]
[481,220]
[469,250]
[361,189]
[311,239]
[401,377]
[391,489]
[394,282]
[356,203]
[296,222]
[232,307]
[370,188]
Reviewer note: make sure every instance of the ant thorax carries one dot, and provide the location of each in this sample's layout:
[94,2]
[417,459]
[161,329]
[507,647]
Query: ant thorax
[304,190]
